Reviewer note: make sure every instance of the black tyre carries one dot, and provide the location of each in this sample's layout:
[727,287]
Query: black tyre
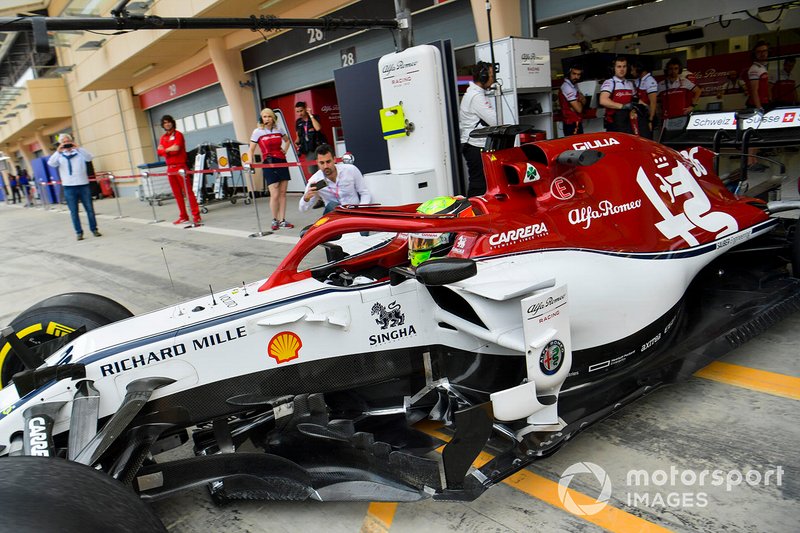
[100,305]
[795,251]
[51,494]
[54,317]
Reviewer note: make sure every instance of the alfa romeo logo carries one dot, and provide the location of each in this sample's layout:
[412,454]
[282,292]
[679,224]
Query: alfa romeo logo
[586,509]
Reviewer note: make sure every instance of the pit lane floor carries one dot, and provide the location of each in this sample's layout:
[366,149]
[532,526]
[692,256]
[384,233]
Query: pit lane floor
[668,438]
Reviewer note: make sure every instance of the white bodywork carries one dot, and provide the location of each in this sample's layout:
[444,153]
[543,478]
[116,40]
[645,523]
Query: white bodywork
[198,343]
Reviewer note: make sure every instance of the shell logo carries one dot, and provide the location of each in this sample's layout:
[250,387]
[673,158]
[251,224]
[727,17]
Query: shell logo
[284,346]
[223,161]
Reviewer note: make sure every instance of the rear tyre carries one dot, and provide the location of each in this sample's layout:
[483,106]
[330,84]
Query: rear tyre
[795,251]
[55,317]
[52,494]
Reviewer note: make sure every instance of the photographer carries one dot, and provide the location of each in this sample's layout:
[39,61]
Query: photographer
[334,183]
[70,160]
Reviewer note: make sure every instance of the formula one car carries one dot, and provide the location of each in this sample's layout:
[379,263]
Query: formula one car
[594,269]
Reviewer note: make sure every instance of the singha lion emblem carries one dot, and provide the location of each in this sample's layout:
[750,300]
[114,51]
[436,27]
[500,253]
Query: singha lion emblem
[388,317]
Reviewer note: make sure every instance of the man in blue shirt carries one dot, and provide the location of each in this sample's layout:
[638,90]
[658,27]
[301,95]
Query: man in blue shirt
[70,160]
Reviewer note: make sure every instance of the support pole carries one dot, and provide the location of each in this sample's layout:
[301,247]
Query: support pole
[260,233]
[403,14]
[147,178]
[113,181]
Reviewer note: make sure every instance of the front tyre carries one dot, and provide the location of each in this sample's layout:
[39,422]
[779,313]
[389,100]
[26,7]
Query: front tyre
[52,494]
[54,317]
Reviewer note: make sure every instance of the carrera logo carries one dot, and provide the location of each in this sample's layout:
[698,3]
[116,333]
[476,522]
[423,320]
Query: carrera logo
[518,235]
[585,215]
[38,437]
[562,189]
[597,143]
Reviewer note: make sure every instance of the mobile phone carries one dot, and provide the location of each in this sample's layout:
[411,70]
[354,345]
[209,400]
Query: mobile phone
[321,184]
[69,145]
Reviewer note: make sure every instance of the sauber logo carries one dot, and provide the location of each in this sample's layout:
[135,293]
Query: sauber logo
[597,143]
[689,207]
[520,234]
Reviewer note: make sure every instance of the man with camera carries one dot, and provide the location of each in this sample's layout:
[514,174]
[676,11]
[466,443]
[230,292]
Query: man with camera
[70,160]
[334,184]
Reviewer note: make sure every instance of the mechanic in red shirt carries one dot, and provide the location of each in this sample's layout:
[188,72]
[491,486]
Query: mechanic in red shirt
[616,95]
[172,148]
[678,95]
[572,101]
[758,92]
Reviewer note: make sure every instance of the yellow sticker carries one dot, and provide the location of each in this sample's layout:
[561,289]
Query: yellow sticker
[320,221]
[57,330]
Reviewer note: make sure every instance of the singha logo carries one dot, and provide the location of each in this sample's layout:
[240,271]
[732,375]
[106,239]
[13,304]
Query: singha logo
[388,317]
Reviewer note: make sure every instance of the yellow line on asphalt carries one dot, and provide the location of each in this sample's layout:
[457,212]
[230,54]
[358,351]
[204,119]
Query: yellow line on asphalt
[753,379]
[610,518]
[379,517]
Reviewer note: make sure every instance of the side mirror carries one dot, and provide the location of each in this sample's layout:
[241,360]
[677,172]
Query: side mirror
[446,270]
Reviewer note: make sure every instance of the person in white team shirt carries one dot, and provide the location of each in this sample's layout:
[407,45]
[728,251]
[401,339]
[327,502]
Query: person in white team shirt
[476,111]
[334,183]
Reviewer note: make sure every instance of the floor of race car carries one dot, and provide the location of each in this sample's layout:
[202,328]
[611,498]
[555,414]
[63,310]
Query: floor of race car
[740,417]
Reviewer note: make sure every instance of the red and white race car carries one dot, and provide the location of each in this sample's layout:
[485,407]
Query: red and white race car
[594,269]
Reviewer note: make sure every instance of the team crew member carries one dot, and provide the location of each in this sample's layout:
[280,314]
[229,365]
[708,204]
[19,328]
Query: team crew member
[758,84]
[784,90]
[309,133]
[758,92]
[572,101]
[616,95]
[172,147]
[647,90]
[476,111]
[273,142]
[678,95]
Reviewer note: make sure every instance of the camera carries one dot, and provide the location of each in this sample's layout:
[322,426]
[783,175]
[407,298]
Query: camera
[69,145]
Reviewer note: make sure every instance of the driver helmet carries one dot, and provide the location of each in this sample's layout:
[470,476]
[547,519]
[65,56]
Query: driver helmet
[423,246]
